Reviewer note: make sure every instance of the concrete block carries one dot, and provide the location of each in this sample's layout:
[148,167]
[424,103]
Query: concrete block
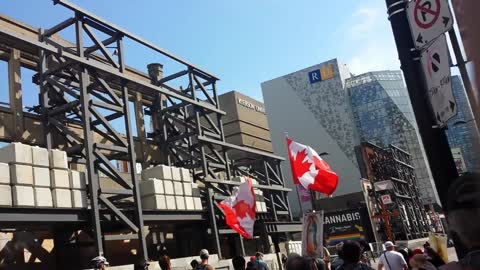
[16,153]
[21,174]
[78,180]
[178,188]
[4,173]
[168,186]
[195,190]
[180,200]
[198,203]
[258,207]
[185,173]
[176,176]
[79,198]
[154,202]
[151,187]
[5,195]
[187,189]
[160,172]
[41,177]
[171,204]
[264,207]
[23,196]
[60,178]
[189,203]
[40,156]
[58,159]
[62,198]
[43,196]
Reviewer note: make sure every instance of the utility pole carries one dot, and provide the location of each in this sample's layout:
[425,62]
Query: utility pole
[434,139]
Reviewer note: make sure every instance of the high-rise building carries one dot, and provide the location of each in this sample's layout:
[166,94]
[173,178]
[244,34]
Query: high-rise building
[313,106]
[383,115]
[462,135]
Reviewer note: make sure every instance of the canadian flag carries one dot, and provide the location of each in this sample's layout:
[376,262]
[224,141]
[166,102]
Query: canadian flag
[239,209]
[309,169]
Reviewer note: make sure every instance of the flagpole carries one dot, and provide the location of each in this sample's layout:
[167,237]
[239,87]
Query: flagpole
[296,186]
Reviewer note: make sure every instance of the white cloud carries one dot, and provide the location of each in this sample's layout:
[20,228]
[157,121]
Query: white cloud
[369,43]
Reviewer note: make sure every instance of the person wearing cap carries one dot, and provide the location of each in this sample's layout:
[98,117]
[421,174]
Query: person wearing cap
[259,264]
[463,210]
[99,263]
[204,255]
[420,262]
[391,259]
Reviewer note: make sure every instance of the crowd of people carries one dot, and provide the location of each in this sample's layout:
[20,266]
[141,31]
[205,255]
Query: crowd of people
[462,211]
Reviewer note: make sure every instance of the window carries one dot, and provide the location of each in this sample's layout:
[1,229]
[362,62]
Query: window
[30,91]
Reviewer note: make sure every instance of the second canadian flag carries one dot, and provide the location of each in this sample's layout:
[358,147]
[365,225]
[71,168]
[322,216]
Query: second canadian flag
[309,169]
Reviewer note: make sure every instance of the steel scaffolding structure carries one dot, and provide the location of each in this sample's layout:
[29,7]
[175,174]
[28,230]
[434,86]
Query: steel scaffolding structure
[89,86]
[390,173]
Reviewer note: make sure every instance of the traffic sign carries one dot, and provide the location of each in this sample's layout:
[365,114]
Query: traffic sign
[428,20]
[386,199]
[436,67]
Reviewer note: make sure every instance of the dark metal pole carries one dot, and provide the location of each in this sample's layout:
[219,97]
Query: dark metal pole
[434,139]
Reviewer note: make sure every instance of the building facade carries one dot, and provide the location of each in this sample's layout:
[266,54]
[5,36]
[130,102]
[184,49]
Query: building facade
[246,122]
[462,135]
[313,107]
[384,115]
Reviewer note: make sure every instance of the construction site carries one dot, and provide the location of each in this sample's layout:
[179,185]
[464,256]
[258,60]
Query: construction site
[71,201]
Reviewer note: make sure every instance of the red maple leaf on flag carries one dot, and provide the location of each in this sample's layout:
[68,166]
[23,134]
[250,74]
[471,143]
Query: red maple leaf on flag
[301,165]
[242,209]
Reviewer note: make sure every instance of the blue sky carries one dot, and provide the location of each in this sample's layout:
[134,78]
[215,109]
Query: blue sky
[243,42]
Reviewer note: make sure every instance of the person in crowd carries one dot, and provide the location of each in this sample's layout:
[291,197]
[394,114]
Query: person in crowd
[433,257]
[238,263]
[142,265]
[194,264]
[326,255]
[351,252]
[164,262]
[284,260]
[297,262]
[259,264]
[338,261]
[99,263]
[252,258]
[463,210]
[366,251]
[406,257]
[204,255]
[319,264]
[251,266]
[391,259]
[420,262]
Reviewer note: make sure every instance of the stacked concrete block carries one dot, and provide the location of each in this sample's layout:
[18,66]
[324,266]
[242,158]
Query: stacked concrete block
[180,202]
[260,204]
[6,195]
[78,186]
[23,196]
[79,198]
[60,178]
[152,192]
[58,159]
[185,174]
[176,174]
[62,198]
[169,188]
[43,197]
[160,172]
[17,175]
[5,188]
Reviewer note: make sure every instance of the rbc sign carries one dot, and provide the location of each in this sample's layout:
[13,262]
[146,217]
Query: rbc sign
[322,74]
[314,76]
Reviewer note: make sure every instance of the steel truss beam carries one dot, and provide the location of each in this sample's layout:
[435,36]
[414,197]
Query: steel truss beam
[90,86]
[393,164]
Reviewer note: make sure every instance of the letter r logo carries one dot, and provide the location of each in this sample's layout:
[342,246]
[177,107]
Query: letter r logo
[314,76]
